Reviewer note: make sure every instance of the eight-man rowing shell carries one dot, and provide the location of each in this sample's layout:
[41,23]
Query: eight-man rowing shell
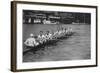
[47,42]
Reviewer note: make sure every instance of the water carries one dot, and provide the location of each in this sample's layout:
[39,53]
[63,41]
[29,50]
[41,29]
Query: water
[76,47]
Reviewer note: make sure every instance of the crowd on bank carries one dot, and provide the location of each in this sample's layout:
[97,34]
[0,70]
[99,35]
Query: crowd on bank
[43,37]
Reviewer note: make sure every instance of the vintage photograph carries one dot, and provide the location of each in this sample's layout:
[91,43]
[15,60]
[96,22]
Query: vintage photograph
[56,36]
[47,36]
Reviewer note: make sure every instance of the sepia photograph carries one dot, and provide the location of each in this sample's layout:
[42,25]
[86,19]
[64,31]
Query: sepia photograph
[47,36]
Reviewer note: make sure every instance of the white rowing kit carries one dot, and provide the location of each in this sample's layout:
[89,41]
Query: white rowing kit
[31,42]
[43,38]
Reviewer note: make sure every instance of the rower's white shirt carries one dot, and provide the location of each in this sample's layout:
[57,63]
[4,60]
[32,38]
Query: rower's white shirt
[55,32]
[66,31]
[31,42]
[59,32]
[48,36]
[41,36]
[70,29]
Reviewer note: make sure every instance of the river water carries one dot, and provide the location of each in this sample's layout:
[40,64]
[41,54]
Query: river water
[76,47]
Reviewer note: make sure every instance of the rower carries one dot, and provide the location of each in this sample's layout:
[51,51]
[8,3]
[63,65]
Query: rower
[57,34]
[53,35]
[70,30]
[40,37]
[48,35]
[31,41]
[66,31]
[62,31]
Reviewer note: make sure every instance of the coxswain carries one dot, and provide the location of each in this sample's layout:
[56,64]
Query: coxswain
[31,41]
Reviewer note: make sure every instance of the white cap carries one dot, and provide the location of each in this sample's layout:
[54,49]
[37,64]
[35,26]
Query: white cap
[31,34]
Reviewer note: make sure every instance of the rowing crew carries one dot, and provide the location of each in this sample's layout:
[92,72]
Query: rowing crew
[41,38]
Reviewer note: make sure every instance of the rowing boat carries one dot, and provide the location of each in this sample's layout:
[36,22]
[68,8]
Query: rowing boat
[46,43]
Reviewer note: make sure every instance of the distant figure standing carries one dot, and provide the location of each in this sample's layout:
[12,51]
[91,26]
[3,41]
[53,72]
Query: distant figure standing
[31,41]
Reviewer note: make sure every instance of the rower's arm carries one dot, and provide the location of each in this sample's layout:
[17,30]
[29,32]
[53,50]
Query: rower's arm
[26,42]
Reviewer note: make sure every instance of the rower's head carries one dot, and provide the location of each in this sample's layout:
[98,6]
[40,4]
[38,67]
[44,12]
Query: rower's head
[31,35]
[41,32]
[47,32]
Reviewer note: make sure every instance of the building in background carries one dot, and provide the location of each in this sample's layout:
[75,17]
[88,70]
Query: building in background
[54,17]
